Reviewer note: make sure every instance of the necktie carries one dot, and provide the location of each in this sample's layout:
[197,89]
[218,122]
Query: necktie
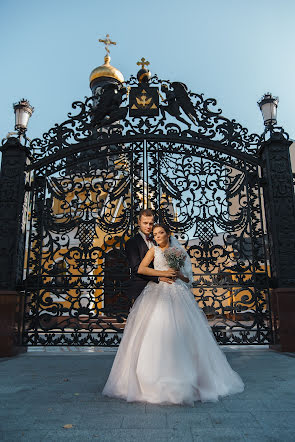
[147,237]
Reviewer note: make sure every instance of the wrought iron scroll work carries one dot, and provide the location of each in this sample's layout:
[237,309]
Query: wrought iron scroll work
[92,175]
[218,204]
[210,125]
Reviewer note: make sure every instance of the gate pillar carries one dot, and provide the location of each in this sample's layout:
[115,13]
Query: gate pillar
[279,206]
[12,245]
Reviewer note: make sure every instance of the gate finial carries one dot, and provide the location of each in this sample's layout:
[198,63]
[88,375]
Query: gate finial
[143,62]
[143,75]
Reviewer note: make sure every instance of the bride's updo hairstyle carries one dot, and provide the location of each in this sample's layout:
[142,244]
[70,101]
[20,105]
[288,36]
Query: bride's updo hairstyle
[164,226]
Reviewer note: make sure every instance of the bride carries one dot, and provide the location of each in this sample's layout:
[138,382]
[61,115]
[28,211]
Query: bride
[168,353]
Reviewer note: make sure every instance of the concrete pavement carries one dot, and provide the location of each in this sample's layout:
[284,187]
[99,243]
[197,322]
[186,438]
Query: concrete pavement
[46,389]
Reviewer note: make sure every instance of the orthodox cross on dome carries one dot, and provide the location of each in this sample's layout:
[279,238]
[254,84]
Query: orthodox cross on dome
[107,41]
[143,63]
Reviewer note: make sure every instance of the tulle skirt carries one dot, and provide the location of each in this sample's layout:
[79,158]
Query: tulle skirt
[168,353]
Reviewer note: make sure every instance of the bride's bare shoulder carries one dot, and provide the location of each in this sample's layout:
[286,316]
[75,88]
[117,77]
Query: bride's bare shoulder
[150,253]
[148,257]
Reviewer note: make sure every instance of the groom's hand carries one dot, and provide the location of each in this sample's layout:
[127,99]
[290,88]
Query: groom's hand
[165,279]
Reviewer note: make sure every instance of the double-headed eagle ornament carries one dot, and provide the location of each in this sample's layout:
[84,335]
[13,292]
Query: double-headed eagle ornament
[177,99]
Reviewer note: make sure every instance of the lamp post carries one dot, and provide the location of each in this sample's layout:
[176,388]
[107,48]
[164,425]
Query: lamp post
[279,204]
[268,106]
[23,111]
[13,215]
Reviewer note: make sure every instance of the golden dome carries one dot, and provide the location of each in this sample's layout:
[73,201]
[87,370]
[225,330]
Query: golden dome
[106,70]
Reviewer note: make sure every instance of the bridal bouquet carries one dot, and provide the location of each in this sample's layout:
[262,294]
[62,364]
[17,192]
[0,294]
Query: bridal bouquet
[175,257]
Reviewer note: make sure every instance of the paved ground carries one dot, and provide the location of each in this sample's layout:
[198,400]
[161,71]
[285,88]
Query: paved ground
[43,391]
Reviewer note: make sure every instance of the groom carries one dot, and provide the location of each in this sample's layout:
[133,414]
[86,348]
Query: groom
[136,248]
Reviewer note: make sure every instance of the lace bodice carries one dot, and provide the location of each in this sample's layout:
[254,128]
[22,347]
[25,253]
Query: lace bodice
[160,262]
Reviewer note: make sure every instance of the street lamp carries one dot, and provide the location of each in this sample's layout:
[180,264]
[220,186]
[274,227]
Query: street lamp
[268,106]
[23,111]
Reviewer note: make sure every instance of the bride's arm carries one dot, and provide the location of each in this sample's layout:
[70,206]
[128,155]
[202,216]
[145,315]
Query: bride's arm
[144,268]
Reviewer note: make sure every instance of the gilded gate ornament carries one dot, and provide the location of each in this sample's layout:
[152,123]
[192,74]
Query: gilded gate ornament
[143,62]
[143,101]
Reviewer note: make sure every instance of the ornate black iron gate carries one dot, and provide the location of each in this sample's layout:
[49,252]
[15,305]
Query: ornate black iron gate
[88,179]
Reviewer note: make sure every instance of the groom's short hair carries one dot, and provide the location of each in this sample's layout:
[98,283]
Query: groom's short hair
[145,212]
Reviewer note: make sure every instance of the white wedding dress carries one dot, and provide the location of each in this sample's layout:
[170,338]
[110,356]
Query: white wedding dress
[168,353]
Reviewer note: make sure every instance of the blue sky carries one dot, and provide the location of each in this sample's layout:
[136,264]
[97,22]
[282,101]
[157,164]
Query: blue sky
[232,50]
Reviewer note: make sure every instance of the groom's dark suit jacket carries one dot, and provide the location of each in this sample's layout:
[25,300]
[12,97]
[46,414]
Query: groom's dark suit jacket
[136,249]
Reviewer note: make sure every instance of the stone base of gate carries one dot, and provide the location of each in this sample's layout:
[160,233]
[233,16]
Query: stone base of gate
[283,311]
[11,313]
